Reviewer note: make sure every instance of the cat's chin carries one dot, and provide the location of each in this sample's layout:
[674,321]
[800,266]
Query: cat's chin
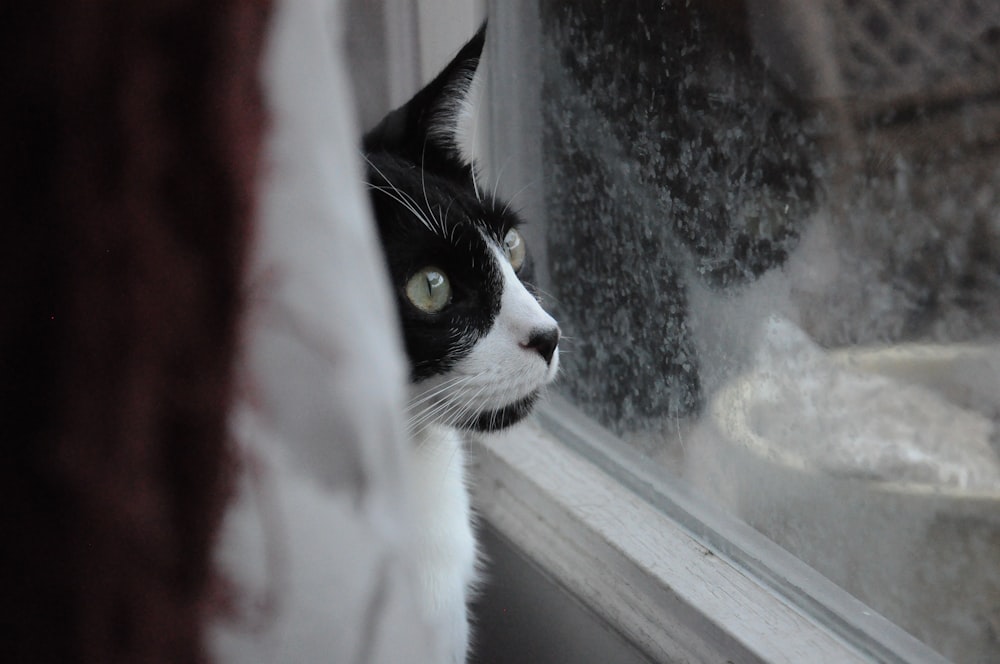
[496,420]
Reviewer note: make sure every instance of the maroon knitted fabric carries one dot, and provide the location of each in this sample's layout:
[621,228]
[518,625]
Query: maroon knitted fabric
[130,133]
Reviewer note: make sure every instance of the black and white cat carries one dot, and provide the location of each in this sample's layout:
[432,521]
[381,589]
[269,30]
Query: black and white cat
[479,344]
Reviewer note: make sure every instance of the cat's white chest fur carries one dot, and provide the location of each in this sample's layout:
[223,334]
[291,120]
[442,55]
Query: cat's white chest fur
[445,544]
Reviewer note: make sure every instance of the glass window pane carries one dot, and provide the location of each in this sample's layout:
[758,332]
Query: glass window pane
[772,238]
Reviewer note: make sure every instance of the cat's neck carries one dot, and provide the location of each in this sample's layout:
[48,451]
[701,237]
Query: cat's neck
[445,547]
[440,450]
[435,435]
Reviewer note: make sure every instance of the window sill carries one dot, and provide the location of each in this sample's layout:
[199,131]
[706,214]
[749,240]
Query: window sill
[679,581]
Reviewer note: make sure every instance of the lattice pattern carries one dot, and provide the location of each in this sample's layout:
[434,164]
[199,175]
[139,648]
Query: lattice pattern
[929,49]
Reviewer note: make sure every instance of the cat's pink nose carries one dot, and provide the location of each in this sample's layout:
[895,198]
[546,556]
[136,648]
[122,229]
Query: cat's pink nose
[543,341]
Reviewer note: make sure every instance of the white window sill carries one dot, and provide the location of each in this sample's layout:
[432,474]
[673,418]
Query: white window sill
[678,580]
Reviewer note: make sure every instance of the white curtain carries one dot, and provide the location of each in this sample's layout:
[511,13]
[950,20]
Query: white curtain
[315,543]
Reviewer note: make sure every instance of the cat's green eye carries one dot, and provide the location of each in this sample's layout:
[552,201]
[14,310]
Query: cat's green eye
[429,290]
[513,246]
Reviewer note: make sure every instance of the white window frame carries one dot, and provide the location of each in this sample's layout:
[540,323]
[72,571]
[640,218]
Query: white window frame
[681,581]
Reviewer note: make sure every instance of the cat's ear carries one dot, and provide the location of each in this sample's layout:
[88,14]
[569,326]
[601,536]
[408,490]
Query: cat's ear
[435,128]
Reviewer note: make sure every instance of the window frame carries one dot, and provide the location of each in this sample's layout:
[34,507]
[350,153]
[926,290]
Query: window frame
[681,580]
[678,578]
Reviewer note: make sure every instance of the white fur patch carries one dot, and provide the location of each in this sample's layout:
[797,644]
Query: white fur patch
[498,371]
[502,355]
[468,120]
[458,124]
[446,547]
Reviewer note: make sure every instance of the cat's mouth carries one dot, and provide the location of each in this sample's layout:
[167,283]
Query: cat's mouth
[501,418]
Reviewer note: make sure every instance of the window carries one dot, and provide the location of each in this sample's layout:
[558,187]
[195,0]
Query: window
[771,233]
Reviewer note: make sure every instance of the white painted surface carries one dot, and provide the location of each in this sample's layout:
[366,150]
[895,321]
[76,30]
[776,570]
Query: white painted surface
[316,543]
[639,569]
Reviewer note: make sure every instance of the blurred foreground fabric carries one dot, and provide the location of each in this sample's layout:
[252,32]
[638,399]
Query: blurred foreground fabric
[188,255]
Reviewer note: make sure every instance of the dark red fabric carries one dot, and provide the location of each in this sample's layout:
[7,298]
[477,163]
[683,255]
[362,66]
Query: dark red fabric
[130,133]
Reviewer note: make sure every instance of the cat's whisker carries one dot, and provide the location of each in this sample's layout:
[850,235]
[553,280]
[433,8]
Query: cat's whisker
[510,201]
[545,294]
[499,176]
[423,183]
[379,172]
[466,407]
[439,411]
[503,400]
[444,221]
[418,425]
[469,401]
[430,414]
[391,192]
[511,391]
[408,203]
[450,412]
[425,406]
[510,394]
[438,388]
[396,194]
[445,386]
[470,108]
[475,184]
[400,196]
[426,410]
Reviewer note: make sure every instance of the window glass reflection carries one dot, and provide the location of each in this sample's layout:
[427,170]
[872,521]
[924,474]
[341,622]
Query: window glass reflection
[774,239]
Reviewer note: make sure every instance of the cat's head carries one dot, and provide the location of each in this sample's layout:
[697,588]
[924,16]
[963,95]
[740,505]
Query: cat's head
[480,345]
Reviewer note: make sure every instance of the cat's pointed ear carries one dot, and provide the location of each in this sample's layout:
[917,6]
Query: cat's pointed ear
[434,128]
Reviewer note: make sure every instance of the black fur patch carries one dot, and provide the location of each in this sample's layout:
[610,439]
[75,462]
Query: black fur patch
[496,420]
[430,214]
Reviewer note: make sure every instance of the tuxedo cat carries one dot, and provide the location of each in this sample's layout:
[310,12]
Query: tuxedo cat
[479,344]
